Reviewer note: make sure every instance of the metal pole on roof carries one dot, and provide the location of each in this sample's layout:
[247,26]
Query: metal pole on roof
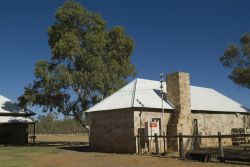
[163,122]
[161,86]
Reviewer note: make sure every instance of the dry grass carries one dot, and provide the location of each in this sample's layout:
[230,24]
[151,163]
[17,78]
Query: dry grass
[62,138]
[64,151]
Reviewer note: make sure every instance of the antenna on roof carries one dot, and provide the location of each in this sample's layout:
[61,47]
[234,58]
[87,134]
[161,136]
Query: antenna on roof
[163,124]
[161,80]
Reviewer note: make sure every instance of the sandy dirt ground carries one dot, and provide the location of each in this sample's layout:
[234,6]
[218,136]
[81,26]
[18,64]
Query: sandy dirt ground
[73,159]
[76,159]
[75,154]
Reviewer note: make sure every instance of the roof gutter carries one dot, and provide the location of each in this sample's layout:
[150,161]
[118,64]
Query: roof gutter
[17,114]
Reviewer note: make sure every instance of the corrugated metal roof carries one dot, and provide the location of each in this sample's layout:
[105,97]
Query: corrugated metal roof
[8,106]
[11,119]
[211,100]
[147,93]
[134,94]
[9,110]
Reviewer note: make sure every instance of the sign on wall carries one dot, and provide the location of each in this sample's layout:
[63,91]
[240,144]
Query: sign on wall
[152,128]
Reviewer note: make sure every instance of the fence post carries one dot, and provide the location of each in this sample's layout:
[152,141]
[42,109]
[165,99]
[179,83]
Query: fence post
[34,132]
[157,145]
[139,144]
[220,147]
[181,147]
[164,142]
[196,134]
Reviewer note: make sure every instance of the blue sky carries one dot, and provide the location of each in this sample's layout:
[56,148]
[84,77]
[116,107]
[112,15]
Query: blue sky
[169,36]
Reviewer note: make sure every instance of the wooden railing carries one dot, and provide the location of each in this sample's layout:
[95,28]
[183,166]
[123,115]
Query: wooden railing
[181,150]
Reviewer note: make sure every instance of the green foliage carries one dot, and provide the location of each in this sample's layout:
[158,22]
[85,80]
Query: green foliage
[89,61]
[238,58]
[50,124]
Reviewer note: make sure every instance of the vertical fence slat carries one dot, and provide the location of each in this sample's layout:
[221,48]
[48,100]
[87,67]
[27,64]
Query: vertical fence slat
[34,133]
[220,147]
[164,142]
[139,144]
[157,145]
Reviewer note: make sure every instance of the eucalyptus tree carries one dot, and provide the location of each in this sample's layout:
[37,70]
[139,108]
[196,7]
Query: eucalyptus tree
[89,61]
[238,59]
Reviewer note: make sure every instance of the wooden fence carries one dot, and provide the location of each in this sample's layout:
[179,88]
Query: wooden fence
[180,138]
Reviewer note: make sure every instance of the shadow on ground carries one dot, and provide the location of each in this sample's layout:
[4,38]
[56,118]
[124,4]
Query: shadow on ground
[79,148]
[233,152]
[72,146]
[60,144]
[228,152]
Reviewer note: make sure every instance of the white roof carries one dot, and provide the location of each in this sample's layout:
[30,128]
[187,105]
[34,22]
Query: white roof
[138,93]
[11,119]
[9,106]
[210,100]
[146,93]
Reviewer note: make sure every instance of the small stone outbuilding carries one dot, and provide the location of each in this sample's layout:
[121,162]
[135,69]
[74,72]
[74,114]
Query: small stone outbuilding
[116,120]
[13,123]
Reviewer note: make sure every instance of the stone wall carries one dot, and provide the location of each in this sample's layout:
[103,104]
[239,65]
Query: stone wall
[178,93]
[212,123]
[112,131]
[115,131]
[140,117]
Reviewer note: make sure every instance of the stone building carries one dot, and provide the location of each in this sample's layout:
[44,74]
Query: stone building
[115,121]
[13,123]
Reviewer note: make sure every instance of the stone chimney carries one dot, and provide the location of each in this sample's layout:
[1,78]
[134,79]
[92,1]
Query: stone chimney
[178,93]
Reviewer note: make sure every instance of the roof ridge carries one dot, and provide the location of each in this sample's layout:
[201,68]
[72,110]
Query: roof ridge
[201,87]
[108,97]
[133,95]
[5,98]
[148,79]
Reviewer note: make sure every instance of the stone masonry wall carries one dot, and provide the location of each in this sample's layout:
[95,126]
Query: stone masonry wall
[178,93]
[115,131]
[211,124]
[112,131]
[140,117]
[208,124]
